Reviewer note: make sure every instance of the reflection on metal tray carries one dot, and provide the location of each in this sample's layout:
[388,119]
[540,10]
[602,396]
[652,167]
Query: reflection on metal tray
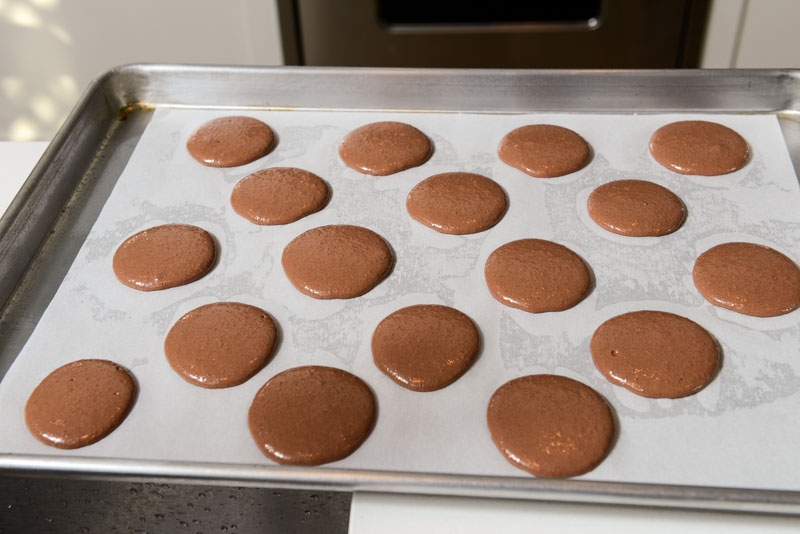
[47,223]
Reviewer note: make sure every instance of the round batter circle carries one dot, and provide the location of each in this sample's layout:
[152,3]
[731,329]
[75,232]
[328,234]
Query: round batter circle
[537,276]
[279,195]
[544,150]
[220,345]
[337,261]
[80,403]
[383,148]
[748,278]
[550,426]
[699,147]
[655,354]
[164,256]
[425,347]
[312,415]
[636,208]
[230,141]
[457,203]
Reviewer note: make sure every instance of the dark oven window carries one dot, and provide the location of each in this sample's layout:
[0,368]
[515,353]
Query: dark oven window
[443,12]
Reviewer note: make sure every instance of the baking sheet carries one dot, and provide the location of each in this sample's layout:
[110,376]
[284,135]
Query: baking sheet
[732,434]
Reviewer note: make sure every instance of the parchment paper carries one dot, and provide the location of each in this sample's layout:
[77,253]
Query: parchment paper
[741,431]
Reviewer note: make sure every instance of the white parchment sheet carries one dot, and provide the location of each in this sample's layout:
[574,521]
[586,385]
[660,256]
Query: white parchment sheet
[741,431]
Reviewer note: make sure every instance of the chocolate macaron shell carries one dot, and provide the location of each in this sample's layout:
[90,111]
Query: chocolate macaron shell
[279,195]
[425,347]
[164,256]
[230,141]
[636,208]
[220,345]
[457,203]
[655,354]
[748,278]
[536,275]
[80,403]
[337,261]
[701,148]
[383,148]
[312,415]
[550,426]
[544,150]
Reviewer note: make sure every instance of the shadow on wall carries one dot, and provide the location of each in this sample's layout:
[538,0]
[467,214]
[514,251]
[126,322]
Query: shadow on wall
[37,90]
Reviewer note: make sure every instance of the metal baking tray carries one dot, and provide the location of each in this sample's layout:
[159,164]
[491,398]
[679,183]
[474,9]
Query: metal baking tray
[47,222]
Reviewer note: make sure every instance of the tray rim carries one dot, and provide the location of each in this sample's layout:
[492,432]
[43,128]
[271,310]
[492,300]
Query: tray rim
[129,89]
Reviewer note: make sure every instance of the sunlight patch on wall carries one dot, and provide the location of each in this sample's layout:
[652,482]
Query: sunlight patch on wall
[20,14]
[34,100]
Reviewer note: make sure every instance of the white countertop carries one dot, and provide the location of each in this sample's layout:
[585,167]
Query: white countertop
[385,513]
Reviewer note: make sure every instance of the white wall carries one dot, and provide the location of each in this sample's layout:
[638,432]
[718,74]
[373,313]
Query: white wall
[753,34]
[51,49]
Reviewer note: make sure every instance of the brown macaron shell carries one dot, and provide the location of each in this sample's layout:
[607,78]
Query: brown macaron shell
[279,195]
[230,141]
[550,426]
[425,347]
[80,403]
[457,203]
[544,150]
[220,345]
[312,415]
[655,354]
[636,208]
[383,148]
[537,276]
[164,256]
[700,148]
[748,278]
[337,261]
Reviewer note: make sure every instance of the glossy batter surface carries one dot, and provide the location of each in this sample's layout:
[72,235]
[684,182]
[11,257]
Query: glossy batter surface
[279,195]
[221,344]
[536,275]
[164,256]
[457,203]
[699,147]
[80,403]
[312,415]
[230,141]
[544,150]
[748,278]
[550,426]
[636,208]
[337,261]
[425,347]
[655,354]
[383,148]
